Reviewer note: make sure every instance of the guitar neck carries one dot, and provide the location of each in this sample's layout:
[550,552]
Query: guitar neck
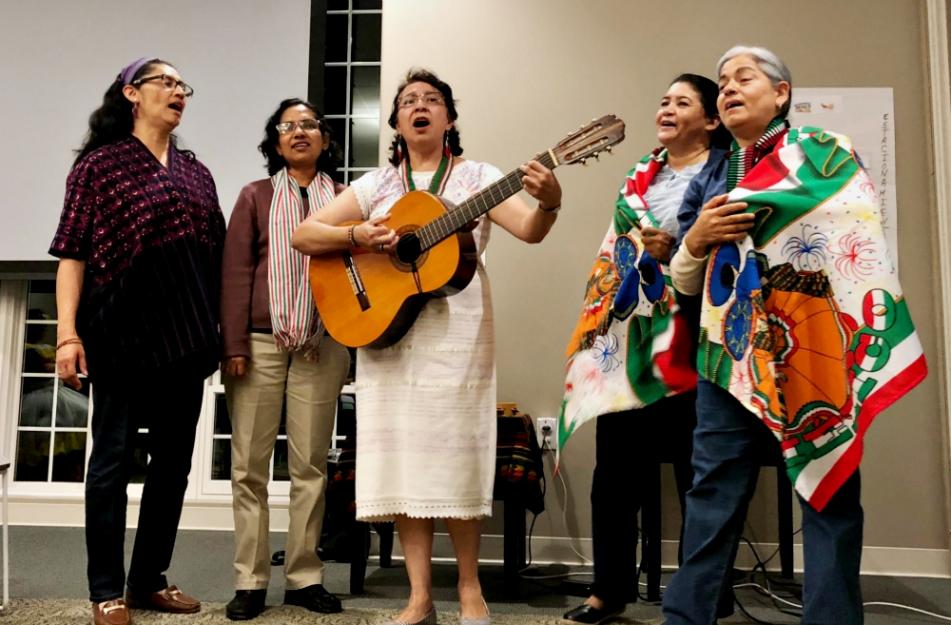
[479,204]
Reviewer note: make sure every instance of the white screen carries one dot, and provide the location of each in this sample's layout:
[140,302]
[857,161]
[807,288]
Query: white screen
[59,57]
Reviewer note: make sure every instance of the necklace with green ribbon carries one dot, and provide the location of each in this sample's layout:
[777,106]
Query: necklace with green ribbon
[440,178]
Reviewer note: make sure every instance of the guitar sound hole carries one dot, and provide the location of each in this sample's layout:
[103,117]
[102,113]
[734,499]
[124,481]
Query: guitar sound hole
[408,250]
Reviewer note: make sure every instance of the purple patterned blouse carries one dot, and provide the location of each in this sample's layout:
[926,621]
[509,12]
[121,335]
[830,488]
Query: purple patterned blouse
[152,238]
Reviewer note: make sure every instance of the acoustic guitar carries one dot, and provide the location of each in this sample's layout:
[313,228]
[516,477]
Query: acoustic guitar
[366,299]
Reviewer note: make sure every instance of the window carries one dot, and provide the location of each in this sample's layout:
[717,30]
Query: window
[53,424]
[351,82]
[53,427]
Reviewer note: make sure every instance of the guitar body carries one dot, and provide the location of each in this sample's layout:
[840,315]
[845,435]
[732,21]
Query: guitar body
[369,299]
[394,286]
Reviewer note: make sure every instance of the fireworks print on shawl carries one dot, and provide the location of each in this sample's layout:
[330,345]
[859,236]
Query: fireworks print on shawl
[804,321]
[631,345]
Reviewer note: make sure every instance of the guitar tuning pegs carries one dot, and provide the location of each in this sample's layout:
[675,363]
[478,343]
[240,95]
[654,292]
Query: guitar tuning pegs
[609,149]
[584,161]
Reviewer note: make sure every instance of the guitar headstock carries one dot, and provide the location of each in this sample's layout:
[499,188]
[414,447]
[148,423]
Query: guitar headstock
[590,140]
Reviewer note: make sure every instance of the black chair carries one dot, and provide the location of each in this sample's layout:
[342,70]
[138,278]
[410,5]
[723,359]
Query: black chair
[651,514]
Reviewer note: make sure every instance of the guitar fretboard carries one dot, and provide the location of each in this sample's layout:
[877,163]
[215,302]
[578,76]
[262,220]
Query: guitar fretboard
[483,201]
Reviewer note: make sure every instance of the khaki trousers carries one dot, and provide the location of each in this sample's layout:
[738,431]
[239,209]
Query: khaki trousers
[310,390]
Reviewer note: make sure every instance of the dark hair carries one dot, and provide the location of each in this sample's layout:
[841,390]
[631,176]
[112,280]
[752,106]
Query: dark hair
[708,92]
[113,120]
[327,162]
[416,74]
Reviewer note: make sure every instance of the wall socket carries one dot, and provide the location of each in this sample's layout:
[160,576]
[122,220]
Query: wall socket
[546,431]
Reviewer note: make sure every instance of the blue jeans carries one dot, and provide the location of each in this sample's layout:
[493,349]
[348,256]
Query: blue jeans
[169,406]
[725,470]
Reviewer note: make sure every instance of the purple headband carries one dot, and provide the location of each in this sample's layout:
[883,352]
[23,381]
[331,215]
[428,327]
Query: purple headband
[127,72]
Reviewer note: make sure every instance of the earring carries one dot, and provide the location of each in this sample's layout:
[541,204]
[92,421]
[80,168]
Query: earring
[445,145]
[399,148]
[135,110]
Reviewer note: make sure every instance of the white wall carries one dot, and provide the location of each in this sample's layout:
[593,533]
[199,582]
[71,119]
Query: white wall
[527,71]
[59,57]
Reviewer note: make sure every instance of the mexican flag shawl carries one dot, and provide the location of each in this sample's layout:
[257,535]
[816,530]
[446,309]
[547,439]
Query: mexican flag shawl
[632,344]
[804,321]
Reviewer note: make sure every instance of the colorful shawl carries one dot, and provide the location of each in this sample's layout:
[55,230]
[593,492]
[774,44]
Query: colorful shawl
[631,345]
[294,319]
[804,321]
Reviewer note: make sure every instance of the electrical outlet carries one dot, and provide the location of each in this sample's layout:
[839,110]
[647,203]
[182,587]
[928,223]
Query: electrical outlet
[546,430]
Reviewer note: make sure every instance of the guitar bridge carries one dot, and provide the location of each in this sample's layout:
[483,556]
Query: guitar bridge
[356,284]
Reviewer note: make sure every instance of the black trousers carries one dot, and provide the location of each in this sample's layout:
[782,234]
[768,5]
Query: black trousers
[628,443]
[169,406]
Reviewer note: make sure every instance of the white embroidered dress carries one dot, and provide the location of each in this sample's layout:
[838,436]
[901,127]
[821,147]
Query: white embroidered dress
[426,405]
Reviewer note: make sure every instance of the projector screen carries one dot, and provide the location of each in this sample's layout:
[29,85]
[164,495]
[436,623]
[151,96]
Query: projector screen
[59,57]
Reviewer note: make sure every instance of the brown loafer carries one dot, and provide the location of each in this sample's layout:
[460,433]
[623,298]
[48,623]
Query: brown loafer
[171,600]
[114,612]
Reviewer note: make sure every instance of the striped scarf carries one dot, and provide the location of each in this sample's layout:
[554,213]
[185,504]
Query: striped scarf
[742,160]
[294,319]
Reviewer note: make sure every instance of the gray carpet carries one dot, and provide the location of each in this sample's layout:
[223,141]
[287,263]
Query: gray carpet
[73,611]
[48,581]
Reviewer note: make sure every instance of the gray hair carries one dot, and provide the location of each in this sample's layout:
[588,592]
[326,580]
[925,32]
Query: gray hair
[768,63]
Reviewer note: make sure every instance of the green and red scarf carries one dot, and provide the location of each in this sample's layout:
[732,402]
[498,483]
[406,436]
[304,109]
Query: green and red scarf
[631,345]
[804,321]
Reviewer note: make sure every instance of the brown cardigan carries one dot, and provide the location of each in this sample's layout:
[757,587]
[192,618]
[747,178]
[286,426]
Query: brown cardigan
[244,286]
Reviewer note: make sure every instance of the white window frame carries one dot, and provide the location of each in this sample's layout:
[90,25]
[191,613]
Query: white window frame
[350,64]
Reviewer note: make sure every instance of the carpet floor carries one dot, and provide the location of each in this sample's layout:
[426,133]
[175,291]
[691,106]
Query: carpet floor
[74,612]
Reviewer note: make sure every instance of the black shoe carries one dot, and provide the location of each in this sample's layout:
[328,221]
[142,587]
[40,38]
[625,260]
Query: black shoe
[591,615]
[246,604]
[315,598]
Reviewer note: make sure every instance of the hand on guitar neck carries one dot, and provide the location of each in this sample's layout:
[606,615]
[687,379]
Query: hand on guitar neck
[540,183]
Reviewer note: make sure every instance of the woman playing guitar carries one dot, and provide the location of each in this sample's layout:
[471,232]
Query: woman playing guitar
[426,426]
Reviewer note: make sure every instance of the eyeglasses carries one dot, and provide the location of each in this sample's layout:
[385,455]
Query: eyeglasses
[308,124]
[168,82]
[430,98]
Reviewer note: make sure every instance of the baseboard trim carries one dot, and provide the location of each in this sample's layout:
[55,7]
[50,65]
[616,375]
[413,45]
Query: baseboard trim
[891,561]
[217,515]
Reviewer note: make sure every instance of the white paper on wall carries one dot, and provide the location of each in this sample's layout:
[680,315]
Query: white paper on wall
[867,116]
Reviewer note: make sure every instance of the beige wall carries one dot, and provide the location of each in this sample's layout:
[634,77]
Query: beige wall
[526,72]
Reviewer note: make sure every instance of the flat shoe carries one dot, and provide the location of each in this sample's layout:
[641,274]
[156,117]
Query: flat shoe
[478,620]
[113,612]
[246,605]
[315,598]
[170,600]
[591,615]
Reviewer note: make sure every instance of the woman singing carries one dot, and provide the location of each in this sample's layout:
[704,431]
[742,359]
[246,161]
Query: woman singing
[139,242]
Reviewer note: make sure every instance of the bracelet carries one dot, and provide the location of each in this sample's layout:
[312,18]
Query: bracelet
[71,341]
[553,209]
[353,240]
